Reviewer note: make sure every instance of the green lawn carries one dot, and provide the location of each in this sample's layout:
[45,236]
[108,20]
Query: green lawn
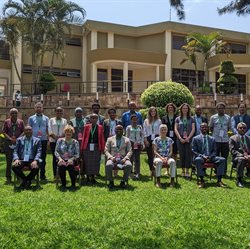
[140,217]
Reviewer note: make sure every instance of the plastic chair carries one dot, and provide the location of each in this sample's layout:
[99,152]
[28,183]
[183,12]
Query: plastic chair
[206,165]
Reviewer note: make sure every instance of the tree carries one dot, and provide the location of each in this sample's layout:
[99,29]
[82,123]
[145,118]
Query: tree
[207,45]
[242,7]
[42,26]
[192,57]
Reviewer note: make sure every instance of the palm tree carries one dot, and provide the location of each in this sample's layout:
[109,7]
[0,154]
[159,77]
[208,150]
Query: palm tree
[242,7]
[192,57]
[207,45]
[42,26]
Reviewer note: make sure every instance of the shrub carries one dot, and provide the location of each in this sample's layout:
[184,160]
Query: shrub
[47,83]
[161,93]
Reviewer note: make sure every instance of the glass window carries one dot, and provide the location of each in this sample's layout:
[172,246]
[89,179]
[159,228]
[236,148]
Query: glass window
[117,80]
[4,50]
[236,48]
[74,42]
[178,42]
[102,78]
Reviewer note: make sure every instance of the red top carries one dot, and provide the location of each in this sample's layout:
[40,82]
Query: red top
[86,134]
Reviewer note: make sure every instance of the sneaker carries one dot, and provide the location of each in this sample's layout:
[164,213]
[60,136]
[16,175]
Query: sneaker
[240,185]
[221,185]
[136,176]
[201,184]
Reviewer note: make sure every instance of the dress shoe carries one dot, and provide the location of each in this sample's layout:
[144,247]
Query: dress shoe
[28,184]
[122,184]
[72,188]
[221,185]
[22,186]
[239,184]
[111,185]
[158,185]
[63,188]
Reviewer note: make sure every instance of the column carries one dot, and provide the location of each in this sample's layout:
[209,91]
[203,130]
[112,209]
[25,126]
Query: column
[125,77]
[93,78]
[84,63]
[93,40]
[110,40]
[157,76]
[168,51]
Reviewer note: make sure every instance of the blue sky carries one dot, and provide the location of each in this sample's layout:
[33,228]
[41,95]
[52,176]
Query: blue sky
[142,12]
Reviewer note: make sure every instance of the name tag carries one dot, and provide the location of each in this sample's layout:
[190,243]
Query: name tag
[171,133]
[79,136]
[152,137]
[91,147]
[26,158]
[39,133]
[136,146]
[221,133]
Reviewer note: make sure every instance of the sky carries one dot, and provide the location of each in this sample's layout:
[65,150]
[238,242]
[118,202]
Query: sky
[143,12]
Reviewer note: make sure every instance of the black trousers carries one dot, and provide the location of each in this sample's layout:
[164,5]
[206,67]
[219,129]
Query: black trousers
[19,172]
[222,149]
[150,153]
[62,174]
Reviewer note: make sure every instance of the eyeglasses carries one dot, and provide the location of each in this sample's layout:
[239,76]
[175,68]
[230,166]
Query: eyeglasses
[242,128]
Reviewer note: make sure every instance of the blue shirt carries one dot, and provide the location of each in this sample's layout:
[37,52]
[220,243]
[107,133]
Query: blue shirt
[39,124]
[126,121]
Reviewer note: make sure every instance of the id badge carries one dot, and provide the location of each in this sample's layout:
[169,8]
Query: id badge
[221,133]
[39,133]
[79,136]
[171,133]
[184,134]
[26,158]
[152,137]
[91,147]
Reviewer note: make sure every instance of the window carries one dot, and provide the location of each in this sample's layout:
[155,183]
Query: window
[117,80]
[74,42]
[178,42]
[186,76]
[4,50]
[73,73]
[102,78]
[235,48]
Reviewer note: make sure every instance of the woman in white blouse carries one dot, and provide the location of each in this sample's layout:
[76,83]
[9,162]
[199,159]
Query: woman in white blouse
[56,131]
[151,131]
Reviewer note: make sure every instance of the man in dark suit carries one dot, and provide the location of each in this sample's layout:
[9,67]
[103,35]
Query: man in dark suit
[239,145]
[27,153]
[198,118]
[204,150]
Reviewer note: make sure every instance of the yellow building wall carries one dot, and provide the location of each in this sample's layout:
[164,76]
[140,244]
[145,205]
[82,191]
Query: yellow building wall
[102,40]
[121,41]
[154,43]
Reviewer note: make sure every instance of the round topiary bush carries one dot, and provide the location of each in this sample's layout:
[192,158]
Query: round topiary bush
[161,93]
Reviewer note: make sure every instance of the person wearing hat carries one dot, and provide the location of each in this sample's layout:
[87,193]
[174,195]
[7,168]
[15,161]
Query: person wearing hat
[78,123]
[220,124]
[95,109]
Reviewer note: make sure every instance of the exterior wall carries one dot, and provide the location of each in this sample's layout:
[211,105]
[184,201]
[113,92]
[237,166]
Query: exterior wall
[102,40]
[154,43]
[142,76]
[121,41]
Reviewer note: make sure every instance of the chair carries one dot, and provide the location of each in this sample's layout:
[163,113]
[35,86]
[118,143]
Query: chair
[206,165]
[25,169]
[77,169]
[234,167]
[164,166]
[115,169]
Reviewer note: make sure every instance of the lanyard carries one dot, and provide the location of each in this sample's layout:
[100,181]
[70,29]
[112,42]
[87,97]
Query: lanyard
[135,131]
[39,120]
[27,146]
[13,127]
[184,120]
[112,126]
[221,120]
[243,143]
[205,145]
[118,143]
[68,144]
[58,122]
[164,145]
[241,118]
[153,129]
[170,120]
[92,132]
[79,124]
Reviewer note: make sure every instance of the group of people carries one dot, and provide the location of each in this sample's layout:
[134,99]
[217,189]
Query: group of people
[82,140]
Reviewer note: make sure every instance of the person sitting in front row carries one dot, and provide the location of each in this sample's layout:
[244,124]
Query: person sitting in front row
[163,149]
[204,150]
[67,152]
[239,145]
[27,153]
[118,152]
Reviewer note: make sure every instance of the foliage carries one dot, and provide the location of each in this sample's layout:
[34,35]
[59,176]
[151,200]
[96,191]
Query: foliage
[140,217]
[41,25]
[161,93]
[241,7]
[207,45]
[47,83]
[226,83]
[161,112]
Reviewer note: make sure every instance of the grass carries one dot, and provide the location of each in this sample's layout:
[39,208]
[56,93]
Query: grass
[140,217]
